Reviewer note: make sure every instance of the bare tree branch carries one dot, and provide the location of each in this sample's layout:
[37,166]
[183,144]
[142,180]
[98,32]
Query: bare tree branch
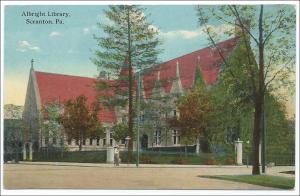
[236,13]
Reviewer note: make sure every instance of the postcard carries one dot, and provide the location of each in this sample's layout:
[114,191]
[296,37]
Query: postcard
[147,97]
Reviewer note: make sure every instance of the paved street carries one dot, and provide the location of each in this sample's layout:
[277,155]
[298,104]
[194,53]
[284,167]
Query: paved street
[106,176]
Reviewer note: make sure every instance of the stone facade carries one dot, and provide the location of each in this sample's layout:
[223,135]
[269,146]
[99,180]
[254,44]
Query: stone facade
[161,87]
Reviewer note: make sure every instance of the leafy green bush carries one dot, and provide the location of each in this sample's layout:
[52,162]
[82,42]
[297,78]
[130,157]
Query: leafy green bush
[179,160]
[145,159]
[211,161]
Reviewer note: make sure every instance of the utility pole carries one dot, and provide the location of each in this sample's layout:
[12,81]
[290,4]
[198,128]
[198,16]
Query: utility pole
[263,146]
[138,118]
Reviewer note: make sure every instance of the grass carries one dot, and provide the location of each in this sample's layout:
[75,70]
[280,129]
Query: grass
[262,180]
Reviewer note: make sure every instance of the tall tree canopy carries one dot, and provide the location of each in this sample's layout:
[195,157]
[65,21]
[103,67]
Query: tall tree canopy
[269,36]
[129,45]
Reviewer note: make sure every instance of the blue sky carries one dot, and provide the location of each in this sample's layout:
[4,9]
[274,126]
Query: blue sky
[67,48]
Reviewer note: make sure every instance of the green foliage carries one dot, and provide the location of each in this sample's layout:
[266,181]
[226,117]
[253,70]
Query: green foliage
[130,42]
[80,120]
[13,137]
[125,20]
[70,156]
[199,82]
[120,131]
[129,45]
[195,110]
[264,180]
[51,127]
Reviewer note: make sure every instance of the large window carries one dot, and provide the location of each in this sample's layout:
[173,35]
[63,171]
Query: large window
[69,141]
[98,141]
[54,141]
[91,141]
[110,138]
[46,140]
[157,137]
[175,137]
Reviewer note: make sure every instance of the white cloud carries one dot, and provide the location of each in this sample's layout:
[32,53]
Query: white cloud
[25,46]
[55,34]
[192,34]
[86,30]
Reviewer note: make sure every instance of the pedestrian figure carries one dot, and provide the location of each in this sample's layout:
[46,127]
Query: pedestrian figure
[116,155]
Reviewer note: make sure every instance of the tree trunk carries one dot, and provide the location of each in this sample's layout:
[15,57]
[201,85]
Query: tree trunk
[258,99]
[130,93]
[80,144]
[256,136]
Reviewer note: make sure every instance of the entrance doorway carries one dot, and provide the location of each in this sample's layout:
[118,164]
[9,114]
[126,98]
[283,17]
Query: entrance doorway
[144,142]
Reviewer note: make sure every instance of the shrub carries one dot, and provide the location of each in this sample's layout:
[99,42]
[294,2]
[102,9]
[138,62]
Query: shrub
[145,159]
[230,161]
[211,161]
[179,161]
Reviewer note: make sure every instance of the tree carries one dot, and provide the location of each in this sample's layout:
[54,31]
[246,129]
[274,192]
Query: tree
[267,36]
[51,127]
[13,138]
[130,45]
[195,111]
[80,120]
[120,131]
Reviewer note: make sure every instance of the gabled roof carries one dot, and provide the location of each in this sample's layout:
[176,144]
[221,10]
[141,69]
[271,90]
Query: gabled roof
[60,88]
[207,58]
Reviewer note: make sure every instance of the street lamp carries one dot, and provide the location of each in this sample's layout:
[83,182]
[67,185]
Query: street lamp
[126,144]
[138,118]
[247,142]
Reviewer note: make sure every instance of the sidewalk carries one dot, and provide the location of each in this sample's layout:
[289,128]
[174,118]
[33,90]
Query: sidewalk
[125,165]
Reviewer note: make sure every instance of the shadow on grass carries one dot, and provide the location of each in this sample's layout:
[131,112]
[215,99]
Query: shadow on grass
[262,180]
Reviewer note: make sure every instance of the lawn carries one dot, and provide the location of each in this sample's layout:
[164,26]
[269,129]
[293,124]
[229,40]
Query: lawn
[262,180]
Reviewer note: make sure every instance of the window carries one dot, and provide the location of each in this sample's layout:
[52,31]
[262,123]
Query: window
[91,141]
[69,141]
[111,138]
[98,141]
[54,140]
[157,137]
[83,142]
[123,141]
[104,141]
[46,140]
[174,112]
[175,137]
[77,142]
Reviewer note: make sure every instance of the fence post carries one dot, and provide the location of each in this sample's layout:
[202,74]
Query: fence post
[239,152]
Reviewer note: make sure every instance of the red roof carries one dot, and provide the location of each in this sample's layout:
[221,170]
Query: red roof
[208,58]
[60,88]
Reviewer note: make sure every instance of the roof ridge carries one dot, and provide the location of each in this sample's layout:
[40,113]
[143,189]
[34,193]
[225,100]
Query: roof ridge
[51,73]
[63,74]
[200,49]
[155,66]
